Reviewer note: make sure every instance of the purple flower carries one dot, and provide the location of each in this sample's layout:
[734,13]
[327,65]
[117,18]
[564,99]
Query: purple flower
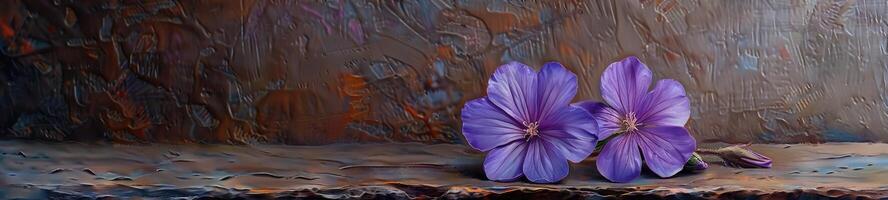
[742,156]
[528,124]
[640,123]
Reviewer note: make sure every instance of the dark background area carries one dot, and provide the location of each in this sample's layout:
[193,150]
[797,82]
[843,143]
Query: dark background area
[320,72]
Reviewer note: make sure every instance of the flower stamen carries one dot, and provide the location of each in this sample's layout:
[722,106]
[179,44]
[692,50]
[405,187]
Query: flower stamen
[629,123]
[532,129]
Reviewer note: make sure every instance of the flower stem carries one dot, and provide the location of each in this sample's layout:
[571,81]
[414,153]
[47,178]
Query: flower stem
[706,151]
[600,145]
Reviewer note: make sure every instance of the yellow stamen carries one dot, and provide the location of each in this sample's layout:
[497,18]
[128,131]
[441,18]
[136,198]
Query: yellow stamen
[532,129]
[630,123]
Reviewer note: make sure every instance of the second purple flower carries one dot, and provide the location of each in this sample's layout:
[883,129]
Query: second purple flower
[640,123]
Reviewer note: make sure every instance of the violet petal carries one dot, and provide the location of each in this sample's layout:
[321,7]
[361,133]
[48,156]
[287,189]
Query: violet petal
[665,105]
[607,118]
[666,149]
[543,164]
[572,132]
[512,88]
[505,163]
[485,126]
[620,160]
[625,83]
[556,86]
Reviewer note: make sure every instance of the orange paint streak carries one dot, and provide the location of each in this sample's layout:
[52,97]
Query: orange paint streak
[140,133]
[502,22]
[565,49]
[427,121]
[784,53]
[6,30]
[666,6]
[671,56]
[26,47]
[445,52]
[355,87]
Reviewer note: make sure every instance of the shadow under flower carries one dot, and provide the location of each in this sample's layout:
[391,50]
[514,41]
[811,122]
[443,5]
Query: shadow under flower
[648,174]
[589,170]
[473,167]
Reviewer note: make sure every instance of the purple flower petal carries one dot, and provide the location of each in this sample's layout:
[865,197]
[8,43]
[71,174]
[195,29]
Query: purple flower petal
[666,105]
[759,160]
[607,118]
[666,149]
[570,121]
[512,88]
[624,84]
[620,160]
[760,163]
[556,86]
[543,164]
[572,132]
[485,126]
[505,163]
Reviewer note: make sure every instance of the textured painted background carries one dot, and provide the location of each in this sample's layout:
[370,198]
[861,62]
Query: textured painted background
[309,72]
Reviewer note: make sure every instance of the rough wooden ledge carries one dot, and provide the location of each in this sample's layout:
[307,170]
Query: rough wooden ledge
[403,171]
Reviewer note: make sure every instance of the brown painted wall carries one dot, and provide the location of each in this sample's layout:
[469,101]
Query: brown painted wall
[308,72]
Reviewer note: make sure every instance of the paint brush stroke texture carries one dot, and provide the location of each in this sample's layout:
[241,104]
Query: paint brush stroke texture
[306,72]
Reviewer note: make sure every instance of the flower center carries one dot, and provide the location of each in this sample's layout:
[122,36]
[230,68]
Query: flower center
[629,123]
[532,129]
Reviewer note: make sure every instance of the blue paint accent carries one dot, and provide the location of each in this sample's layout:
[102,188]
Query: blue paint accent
[440,69]
[513,52]
[4,48]
[884,95]
[38,45]
[850,161]
[546,15]
[835,135]
[437,98]
[428,20]
[767,137]
[748,62]
[506,57]
[885,100]
[743,42]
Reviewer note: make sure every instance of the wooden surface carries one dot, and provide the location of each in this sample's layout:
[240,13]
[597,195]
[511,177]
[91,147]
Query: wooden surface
[43,170]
